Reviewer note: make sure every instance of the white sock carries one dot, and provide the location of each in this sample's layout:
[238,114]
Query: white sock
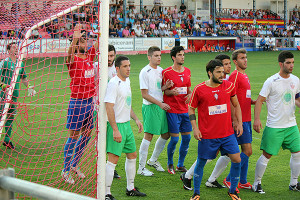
[190,173]
[109,176]
[260,169]
[130,168]
[143,153]
[159,147]
[219,168]
[295,168]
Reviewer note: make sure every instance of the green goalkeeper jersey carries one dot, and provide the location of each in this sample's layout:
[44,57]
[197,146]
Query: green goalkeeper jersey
[7,68]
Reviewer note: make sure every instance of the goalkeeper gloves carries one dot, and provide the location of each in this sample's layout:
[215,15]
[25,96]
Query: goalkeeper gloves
[31,91]
[3,86]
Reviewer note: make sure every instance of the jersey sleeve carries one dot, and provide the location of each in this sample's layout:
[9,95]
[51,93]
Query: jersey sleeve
[111,93]
[195,98]
[92,53]
[265,90]
[164,78]
[189,83]
[144,81]
[234,79]
[22,71]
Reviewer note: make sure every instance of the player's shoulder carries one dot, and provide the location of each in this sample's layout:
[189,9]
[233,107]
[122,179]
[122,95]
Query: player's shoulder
[200,86]
[187,69]
[294,77]
[146,69]
[169,69]
[274,78]
[228,86]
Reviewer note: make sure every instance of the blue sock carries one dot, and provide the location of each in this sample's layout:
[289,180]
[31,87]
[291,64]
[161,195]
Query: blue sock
[68,153]
[198,174]
[228,177]
[244,168]
[235,171]
[79,149]
[184,147]
[171,149]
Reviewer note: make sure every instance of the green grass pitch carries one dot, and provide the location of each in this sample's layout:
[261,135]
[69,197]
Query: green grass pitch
[162,185]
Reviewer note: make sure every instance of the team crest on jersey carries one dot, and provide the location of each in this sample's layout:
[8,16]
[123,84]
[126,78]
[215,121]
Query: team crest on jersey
[216,96]
[181,77]
[292,85]
[287,97]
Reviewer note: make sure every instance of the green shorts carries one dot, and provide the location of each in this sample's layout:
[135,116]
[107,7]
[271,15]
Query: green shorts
[274,138]
[128,143]
[155,119]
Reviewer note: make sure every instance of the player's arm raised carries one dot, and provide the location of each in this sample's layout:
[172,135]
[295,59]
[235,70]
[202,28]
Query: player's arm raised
[192,116]
[76,36]
[112,121]
[257,109]
[238,115]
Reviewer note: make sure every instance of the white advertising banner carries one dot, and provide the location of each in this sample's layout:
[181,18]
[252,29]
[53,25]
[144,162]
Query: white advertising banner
[169,43]
[2,46]
[55,45]
[297,42]
[122,44]
[145,43]
[34,46]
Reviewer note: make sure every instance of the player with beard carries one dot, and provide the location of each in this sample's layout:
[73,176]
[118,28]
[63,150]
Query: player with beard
[281,93]
[186,177]
[213,98]
[177,97]
[81,108]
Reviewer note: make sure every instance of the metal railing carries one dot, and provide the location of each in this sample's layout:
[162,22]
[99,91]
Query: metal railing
[10,185]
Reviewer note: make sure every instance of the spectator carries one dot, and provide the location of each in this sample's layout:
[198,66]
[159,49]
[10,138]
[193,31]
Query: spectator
[182,8]
[262,43]
[125,32]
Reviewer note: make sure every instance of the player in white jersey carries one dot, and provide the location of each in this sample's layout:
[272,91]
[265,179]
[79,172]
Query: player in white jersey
[154,111]
[111,73]
[120,138]
[281,93]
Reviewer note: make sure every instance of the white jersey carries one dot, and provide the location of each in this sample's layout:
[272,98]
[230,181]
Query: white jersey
[118,92]
[226,77]
[150,79]
[112,72]
[280,96]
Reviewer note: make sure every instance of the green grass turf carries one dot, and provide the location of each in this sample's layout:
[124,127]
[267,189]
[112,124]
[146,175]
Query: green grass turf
[41,150]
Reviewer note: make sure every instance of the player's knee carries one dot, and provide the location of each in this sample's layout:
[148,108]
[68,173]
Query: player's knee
[165,136]
[148,136]
[267,155]
[131,155]
[248,152]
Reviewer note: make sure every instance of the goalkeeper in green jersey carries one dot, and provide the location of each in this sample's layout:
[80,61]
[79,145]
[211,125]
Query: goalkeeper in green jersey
[7,69]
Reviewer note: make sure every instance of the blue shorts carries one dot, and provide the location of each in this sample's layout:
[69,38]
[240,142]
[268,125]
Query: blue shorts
[246,137]
[80,113]
[208,148]
[179,123]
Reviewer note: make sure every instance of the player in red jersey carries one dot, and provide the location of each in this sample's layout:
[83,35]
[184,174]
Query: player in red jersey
[177,97]
[212,98]
[80,111]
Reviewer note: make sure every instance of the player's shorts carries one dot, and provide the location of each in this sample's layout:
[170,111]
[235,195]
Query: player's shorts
[208,148]
[12,110]
[179,123]
[155,119]
[274,138]
[246,137]
[128,142]
[80,113]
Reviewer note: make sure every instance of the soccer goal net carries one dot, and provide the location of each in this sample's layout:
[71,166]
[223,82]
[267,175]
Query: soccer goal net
[34,115]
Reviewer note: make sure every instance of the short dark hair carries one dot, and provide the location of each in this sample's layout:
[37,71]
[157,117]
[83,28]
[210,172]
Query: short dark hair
[152,49]
[211,65]
[222,57]
[176,50]
[119,60]
[8,46]
[284,55]
[111,48]
[237,52]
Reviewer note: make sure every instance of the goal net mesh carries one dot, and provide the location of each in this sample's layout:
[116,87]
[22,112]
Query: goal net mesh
[37,124]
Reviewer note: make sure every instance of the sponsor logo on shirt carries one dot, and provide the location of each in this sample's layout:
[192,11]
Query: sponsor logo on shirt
[287,97]
[218,109]
[248,94]
[89,73]
[182,90]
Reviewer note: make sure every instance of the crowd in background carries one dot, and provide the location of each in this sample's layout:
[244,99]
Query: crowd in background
[149,21]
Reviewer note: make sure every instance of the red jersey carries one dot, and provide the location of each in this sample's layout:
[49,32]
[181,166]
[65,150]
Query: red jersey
[82,76]
[214,113]
[182,81]
[243,93]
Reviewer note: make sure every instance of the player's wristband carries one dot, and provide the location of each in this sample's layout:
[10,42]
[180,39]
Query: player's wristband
[28,85]
[192,117]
